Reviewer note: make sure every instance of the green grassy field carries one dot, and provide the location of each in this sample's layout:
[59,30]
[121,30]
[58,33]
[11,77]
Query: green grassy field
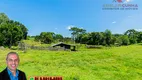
[115,63]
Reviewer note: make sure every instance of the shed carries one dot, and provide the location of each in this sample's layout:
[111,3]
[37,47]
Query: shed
[65,46]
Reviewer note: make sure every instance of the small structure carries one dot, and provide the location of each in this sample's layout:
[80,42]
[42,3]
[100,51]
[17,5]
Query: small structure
[63,46]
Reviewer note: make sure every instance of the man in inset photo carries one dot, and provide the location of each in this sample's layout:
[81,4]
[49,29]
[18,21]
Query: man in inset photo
[11,72]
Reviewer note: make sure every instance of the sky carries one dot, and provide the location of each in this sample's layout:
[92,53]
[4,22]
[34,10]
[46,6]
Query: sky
[59,16]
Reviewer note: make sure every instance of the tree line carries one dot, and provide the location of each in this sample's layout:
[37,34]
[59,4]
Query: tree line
[13,31]
[105,38]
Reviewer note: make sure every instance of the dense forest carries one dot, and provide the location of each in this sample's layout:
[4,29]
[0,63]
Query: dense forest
[11,32]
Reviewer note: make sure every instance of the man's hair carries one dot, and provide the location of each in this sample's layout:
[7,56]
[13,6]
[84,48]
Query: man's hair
[12,53]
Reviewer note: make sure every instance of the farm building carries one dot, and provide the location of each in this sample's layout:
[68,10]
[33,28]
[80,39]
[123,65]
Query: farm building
[64,46]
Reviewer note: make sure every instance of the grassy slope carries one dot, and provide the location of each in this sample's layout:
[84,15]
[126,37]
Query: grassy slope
[116,63]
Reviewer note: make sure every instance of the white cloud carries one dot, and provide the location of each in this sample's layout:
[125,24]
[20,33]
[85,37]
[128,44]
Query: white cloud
[113,22]
[69,27]
[138,29]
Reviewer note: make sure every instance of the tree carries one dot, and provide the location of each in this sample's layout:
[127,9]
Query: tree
[3,18]
[118,38]
[108,37]
[125,40]
[139,37]
[1,39]
[113,40]
[67,39]
[23,28]
[132,35]
[95,38]
[84,38]
[76,32]
[58,37]
[11,33]
[46,37]
[37,38]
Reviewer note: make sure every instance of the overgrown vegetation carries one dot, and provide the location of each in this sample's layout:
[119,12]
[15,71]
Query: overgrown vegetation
[113,63]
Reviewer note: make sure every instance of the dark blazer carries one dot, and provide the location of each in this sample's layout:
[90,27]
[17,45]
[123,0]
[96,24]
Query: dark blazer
[4,75]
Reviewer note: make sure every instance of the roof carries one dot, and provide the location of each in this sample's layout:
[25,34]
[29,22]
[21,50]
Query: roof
[61,43]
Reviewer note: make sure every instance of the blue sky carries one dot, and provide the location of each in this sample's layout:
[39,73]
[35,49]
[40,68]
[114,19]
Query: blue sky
[59,15]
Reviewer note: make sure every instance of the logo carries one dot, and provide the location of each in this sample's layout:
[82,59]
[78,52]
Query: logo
[46,78]
[120,5]
[121,1]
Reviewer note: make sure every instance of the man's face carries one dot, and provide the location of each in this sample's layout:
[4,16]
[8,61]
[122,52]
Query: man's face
[12,62]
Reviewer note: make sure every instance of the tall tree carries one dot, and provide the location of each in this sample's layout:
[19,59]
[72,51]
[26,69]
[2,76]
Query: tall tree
[46,37]
[76,32]
[139,37]
[108,36]
[132,35]
[11,33]
[95,38]
[58,37]
[23,28]
[84,39]
[125,40]
[3,18]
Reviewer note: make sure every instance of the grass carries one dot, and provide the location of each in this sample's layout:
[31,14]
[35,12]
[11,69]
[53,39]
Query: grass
[114,63]
[31,42]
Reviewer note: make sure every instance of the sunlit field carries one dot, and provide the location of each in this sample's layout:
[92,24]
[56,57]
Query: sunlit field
[113,63]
